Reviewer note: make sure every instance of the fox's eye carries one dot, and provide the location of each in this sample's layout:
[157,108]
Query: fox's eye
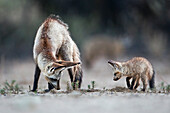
[48,67]
[115,74]
[52,69]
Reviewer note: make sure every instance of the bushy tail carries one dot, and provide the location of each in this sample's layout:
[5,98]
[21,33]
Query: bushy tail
[152,81]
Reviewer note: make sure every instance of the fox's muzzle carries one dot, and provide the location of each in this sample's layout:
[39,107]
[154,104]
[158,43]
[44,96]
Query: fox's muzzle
[115,79]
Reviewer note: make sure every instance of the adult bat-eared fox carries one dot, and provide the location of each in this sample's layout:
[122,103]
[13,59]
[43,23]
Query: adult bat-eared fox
[55,51]
[136,68]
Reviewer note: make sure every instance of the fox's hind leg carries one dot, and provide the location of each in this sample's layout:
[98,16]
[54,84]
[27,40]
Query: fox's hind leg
[70,72]
[128,81]
[72,54]
[50,87]
[144,80]
[78,76]
[75,76]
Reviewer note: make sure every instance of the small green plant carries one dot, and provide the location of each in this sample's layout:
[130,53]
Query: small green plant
[162,86]
[10,88]
[77,85]
[72,84]
[93,84]
[165,88]
[89,87]
[2,91]
[168,88]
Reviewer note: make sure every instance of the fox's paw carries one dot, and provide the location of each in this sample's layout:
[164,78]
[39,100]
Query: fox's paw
[131,88]
[46,90]
[144,90]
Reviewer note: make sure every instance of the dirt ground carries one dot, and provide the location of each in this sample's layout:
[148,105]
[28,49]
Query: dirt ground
[108,96]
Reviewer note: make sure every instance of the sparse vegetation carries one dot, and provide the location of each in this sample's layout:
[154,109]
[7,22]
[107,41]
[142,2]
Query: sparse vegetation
[10,88]
[89,87]
[77,85]
[93,84]
[164,88]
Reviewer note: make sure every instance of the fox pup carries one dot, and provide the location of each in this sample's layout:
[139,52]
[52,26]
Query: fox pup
[137,68]
[55,51]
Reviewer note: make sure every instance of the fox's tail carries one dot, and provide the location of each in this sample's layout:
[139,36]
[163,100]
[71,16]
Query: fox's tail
[152,81]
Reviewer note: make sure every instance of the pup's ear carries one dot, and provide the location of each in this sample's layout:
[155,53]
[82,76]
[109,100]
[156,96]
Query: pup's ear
[114,64]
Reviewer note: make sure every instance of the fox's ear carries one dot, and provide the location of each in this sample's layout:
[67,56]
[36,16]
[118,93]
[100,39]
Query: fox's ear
[67,63]
[57,66]
[52,67]
[114,64]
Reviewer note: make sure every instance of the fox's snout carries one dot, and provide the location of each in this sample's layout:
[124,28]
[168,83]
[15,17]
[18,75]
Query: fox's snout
[116,79]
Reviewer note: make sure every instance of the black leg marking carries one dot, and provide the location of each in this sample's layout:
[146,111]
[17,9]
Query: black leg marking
[128,81]
[50,86]
[58,84]
[36,78]
[71,74]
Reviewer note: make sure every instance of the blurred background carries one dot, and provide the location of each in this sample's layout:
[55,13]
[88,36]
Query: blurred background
[109,29]
[139,27]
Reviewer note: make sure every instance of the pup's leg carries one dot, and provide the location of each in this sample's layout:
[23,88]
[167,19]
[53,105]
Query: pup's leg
[133,83]
[144,80]
[137,82]
[128,81]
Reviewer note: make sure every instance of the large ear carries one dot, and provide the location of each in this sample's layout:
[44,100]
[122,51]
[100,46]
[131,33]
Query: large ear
[114,64]
[67,63]
[56,66]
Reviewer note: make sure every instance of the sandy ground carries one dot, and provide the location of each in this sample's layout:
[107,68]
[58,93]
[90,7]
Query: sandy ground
[93,102]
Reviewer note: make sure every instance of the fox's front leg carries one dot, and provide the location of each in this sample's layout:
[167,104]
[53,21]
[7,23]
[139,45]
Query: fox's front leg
[134,81]
[50,87]
[54,84]
[137,82]
[128,81]
[58,84]
[36,78]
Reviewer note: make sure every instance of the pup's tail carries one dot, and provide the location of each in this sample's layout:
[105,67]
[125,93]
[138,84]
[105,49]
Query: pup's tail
[152,81]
